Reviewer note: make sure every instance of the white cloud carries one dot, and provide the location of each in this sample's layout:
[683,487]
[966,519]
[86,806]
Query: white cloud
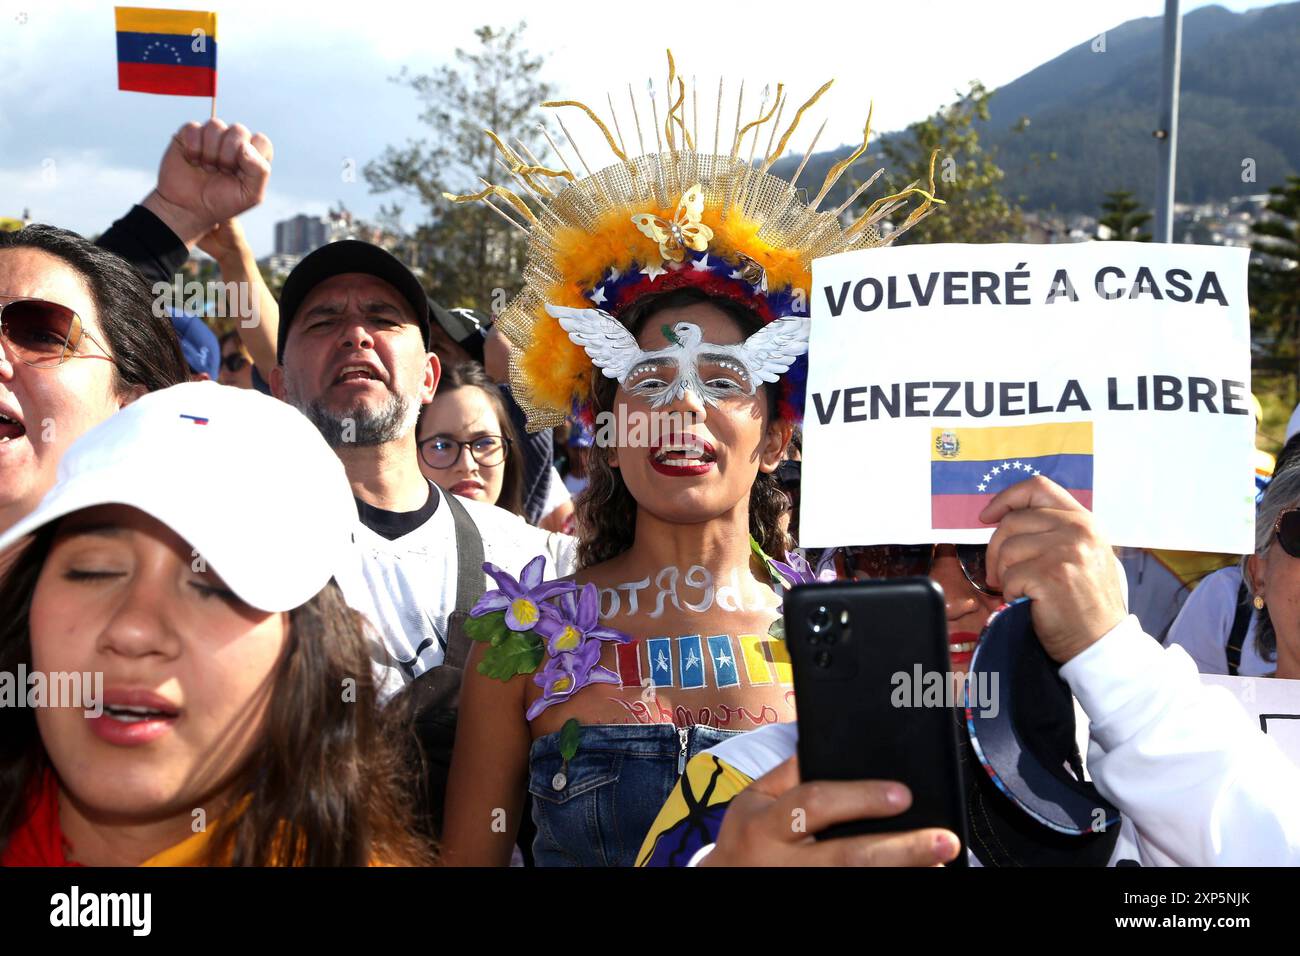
[315,78]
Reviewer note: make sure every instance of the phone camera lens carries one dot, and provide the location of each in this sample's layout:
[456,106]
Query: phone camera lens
[820,620]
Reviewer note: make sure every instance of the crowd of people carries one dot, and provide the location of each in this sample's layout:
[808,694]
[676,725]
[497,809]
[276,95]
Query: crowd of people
[362,592]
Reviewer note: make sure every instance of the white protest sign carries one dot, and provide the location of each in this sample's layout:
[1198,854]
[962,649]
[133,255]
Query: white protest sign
[940,375]
[1274,703]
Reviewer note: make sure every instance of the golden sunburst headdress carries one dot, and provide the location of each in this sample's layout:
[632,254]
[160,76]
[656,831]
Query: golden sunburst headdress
[656,221]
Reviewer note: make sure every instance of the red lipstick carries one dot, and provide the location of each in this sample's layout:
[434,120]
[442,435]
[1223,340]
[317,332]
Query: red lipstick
[684,456]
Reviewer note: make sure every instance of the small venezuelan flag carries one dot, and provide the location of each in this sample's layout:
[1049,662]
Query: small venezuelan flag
[968,466]
[166,51]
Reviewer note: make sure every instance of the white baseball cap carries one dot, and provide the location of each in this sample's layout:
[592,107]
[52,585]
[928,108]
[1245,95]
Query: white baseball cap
[244,478]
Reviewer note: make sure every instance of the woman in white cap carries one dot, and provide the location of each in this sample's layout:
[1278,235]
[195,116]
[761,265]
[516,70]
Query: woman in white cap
[226,712]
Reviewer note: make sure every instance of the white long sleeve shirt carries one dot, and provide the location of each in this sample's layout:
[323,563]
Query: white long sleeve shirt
[1198,783]
[1196,780]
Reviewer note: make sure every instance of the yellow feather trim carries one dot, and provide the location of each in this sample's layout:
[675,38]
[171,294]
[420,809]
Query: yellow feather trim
[558,371]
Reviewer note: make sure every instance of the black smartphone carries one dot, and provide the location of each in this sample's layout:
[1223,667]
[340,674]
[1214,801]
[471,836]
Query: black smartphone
[874,691]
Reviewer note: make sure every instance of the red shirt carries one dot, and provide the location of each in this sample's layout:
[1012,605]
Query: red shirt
[38,840]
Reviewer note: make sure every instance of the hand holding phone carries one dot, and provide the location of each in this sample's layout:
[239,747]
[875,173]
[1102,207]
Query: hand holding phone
[877,698]
[771,823]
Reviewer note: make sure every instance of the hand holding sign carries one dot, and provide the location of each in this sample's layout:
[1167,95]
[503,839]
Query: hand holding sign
[928,404]
[1047,548]
[209,174]
[771,821]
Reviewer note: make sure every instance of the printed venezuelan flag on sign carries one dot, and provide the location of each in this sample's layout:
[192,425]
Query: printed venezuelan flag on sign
[968,466]
[159,51]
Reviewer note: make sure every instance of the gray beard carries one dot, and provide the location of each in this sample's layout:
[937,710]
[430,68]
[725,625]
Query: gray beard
[361,427]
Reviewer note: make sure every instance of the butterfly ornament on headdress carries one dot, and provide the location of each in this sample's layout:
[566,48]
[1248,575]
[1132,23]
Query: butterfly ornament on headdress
[684,231]
[688,363]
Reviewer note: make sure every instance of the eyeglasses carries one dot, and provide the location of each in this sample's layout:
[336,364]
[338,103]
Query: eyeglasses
[442,451]
[234,362]
[914,560]
[43,334]
[1287,531]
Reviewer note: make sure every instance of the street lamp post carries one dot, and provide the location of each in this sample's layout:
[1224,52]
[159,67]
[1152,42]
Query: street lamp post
[1167,133]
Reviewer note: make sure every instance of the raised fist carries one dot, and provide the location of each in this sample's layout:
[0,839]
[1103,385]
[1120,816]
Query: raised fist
[209,173]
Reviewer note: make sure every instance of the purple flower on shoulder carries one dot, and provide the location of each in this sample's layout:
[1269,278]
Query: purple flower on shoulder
[573,633]
[568,672]
[574,620]
[522,599]
[796,569]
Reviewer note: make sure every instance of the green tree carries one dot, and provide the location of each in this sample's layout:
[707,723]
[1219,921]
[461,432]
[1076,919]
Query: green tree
[967,176]
[1124,217]
[470,257]
[1275,271]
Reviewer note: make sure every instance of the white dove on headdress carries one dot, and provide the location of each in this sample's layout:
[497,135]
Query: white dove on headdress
[763,357]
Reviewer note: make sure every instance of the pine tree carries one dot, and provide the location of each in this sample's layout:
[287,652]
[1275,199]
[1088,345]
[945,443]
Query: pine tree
[1275,270]
[967,176]
[1124,217]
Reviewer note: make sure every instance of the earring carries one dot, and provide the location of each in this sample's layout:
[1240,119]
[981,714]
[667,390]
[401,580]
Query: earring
[1259,603]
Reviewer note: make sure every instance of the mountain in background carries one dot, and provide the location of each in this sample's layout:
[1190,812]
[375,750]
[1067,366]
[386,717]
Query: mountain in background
[1096,112]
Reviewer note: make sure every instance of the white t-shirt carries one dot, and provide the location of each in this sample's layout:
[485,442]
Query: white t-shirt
[1155,593]
[406,586]
[1205,622]
[1184,761]
[556,493]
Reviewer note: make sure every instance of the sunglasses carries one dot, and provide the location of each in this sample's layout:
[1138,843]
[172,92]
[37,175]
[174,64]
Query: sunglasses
[1287,531]
[916,560]
[234,362]
[42,334]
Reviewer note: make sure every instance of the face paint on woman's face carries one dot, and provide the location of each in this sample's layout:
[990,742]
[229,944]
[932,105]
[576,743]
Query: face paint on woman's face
[714,377]
[702,457]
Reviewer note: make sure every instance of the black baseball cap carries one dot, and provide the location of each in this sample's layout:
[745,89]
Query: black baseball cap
[338,258]
[1027,743]
[464,327]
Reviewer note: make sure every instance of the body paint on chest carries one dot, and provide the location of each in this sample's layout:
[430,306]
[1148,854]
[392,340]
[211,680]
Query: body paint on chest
[695,591]
[724,717]
[693,661]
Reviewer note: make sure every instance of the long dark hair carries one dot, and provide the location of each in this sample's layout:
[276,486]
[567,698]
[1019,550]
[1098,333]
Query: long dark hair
[329,780]
[146,353]
[471,375]
[606,510]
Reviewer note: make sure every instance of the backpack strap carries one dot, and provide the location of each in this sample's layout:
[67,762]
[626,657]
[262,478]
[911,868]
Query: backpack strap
[434,696]
[1237,636]
[439,687]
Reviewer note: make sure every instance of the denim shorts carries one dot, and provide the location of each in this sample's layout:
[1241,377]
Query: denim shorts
[597,810]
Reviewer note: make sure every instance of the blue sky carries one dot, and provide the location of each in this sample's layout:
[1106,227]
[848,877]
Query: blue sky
[314,77]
